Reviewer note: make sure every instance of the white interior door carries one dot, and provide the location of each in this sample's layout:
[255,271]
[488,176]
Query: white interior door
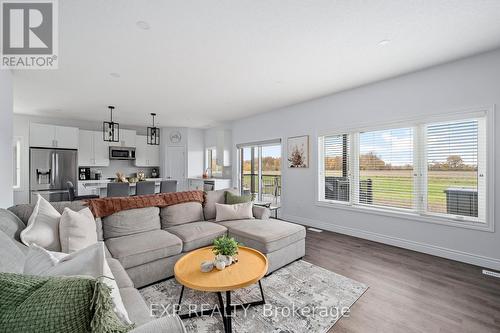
[176,165]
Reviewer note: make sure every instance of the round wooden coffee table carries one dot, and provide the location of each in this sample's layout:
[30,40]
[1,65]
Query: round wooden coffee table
[250,268]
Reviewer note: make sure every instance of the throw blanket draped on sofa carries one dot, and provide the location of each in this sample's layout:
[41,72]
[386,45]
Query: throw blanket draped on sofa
[56,304]
[107,206]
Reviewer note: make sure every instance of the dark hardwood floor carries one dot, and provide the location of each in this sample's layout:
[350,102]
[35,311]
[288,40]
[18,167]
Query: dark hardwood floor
[408,291]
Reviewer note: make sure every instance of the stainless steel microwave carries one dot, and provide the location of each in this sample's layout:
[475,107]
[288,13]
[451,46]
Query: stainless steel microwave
[121,153]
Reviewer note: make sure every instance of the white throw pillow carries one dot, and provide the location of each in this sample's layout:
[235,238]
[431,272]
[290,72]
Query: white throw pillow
[90,261]
[43,226]
[233,212]
[77,230]
[38,260]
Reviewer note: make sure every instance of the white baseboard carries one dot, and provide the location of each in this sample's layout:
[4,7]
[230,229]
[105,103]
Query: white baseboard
[468,258]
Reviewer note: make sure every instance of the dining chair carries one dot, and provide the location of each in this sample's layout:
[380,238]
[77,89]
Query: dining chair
[167,186]
[145,187]
[118,189]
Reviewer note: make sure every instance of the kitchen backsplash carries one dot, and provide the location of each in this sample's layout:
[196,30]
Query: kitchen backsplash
[127,167]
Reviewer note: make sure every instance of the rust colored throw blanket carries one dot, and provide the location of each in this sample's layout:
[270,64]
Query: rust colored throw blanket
[107,206]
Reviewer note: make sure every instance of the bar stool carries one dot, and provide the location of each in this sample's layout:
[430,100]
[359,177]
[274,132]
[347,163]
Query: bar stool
[118,189]
[145,187]
[167,186]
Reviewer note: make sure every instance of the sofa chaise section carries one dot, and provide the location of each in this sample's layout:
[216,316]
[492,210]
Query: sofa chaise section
[282,242]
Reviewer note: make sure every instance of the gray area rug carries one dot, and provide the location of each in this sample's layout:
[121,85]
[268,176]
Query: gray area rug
[300,297]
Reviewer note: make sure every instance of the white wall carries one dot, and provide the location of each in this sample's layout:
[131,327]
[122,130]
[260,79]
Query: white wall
[6,153]
[196,152]
[466,83]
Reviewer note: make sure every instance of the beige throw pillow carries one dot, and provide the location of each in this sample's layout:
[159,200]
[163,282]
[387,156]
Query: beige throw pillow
[233,212]
[77,230]
[43,226]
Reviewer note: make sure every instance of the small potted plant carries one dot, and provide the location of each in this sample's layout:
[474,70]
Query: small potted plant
[225,249]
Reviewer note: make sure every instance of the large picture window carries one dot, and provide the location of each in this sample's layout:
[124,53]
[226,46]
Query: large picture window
[435,169]
[386,168]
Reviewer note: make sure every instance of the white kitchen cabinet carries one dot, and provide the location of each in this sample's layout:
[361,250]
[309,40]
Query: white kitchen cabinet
[85,189]
[93,150]
[66,137]
[51,136]
[42,135]
[85,148]
[154,155]
[140,151]
[127,138]
[101,150]
[146,155]
[209,184]
[196,184]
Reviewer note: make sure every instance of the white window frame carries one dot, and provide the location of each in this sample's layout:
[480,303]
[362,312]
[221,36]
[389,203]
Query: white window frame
[259,145]
[17,143]
[420,171]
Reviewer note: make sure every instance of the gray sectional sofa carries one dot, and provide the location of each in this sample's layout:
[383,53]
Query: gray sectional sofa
[145,243]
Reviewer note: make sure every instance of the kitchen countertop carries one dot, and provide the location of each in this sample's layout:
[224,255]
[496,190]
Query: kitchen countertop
[103,183]
[209,179]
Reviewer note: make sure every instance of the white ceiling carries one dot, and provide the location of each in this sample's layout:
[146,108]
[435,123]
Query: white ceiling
[205,62]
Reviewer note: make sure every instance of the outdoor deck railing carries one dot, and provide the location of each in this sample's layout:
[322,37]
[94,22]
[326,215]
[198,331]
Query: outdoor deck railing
[271,185]
[337,188]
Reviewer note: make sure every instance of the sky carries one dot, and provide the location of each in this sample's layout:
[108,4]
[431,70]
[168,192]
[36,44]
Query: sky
[274,151]
[393,146]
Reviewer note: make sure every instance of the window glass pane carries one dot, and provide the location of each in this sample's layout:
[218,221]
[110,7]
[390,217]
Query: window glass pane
[213,160]
[271,173]
[16,168]
[250,171]
[336,164]
[215,169]
[386,168]
[452,160]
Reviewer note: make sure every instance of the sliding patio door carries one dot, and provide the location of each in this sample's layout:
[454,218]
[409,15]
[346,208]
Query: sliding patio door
[260,170]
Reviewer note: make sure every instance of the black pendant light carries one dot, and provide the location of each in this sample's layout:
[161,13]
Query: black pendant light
[153,133]
[110,129]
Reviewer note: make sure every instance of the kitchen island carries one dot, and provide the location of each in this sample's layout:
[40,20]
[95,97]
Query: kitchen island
[99,187]
[209,184]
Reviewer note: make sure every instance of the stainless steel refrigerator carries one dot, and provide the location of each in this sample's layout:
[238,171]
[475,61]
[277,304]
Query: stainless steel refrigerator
[50,169]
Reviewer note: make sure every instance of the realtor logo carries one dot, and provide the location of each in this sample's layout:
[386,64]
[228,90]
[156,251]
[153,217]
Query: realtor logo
[29,34]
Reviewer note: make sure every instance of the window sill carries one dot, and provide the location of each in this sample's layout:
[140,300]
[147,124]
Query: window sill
[409,216]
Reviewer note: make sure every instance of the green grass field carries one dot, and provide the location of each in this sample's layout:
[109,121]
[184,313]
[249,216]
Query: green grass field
[397,185]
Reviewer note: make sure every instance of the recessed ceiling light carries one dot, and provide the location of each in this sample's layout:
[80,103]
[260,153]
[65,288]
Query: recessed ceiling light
[143,25]
[384,42]
[115,75]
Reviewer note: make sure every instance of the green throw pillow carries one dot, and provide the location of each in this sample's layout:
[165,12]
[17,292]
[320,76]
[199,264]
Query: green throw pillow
[56,304]
[232,199]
